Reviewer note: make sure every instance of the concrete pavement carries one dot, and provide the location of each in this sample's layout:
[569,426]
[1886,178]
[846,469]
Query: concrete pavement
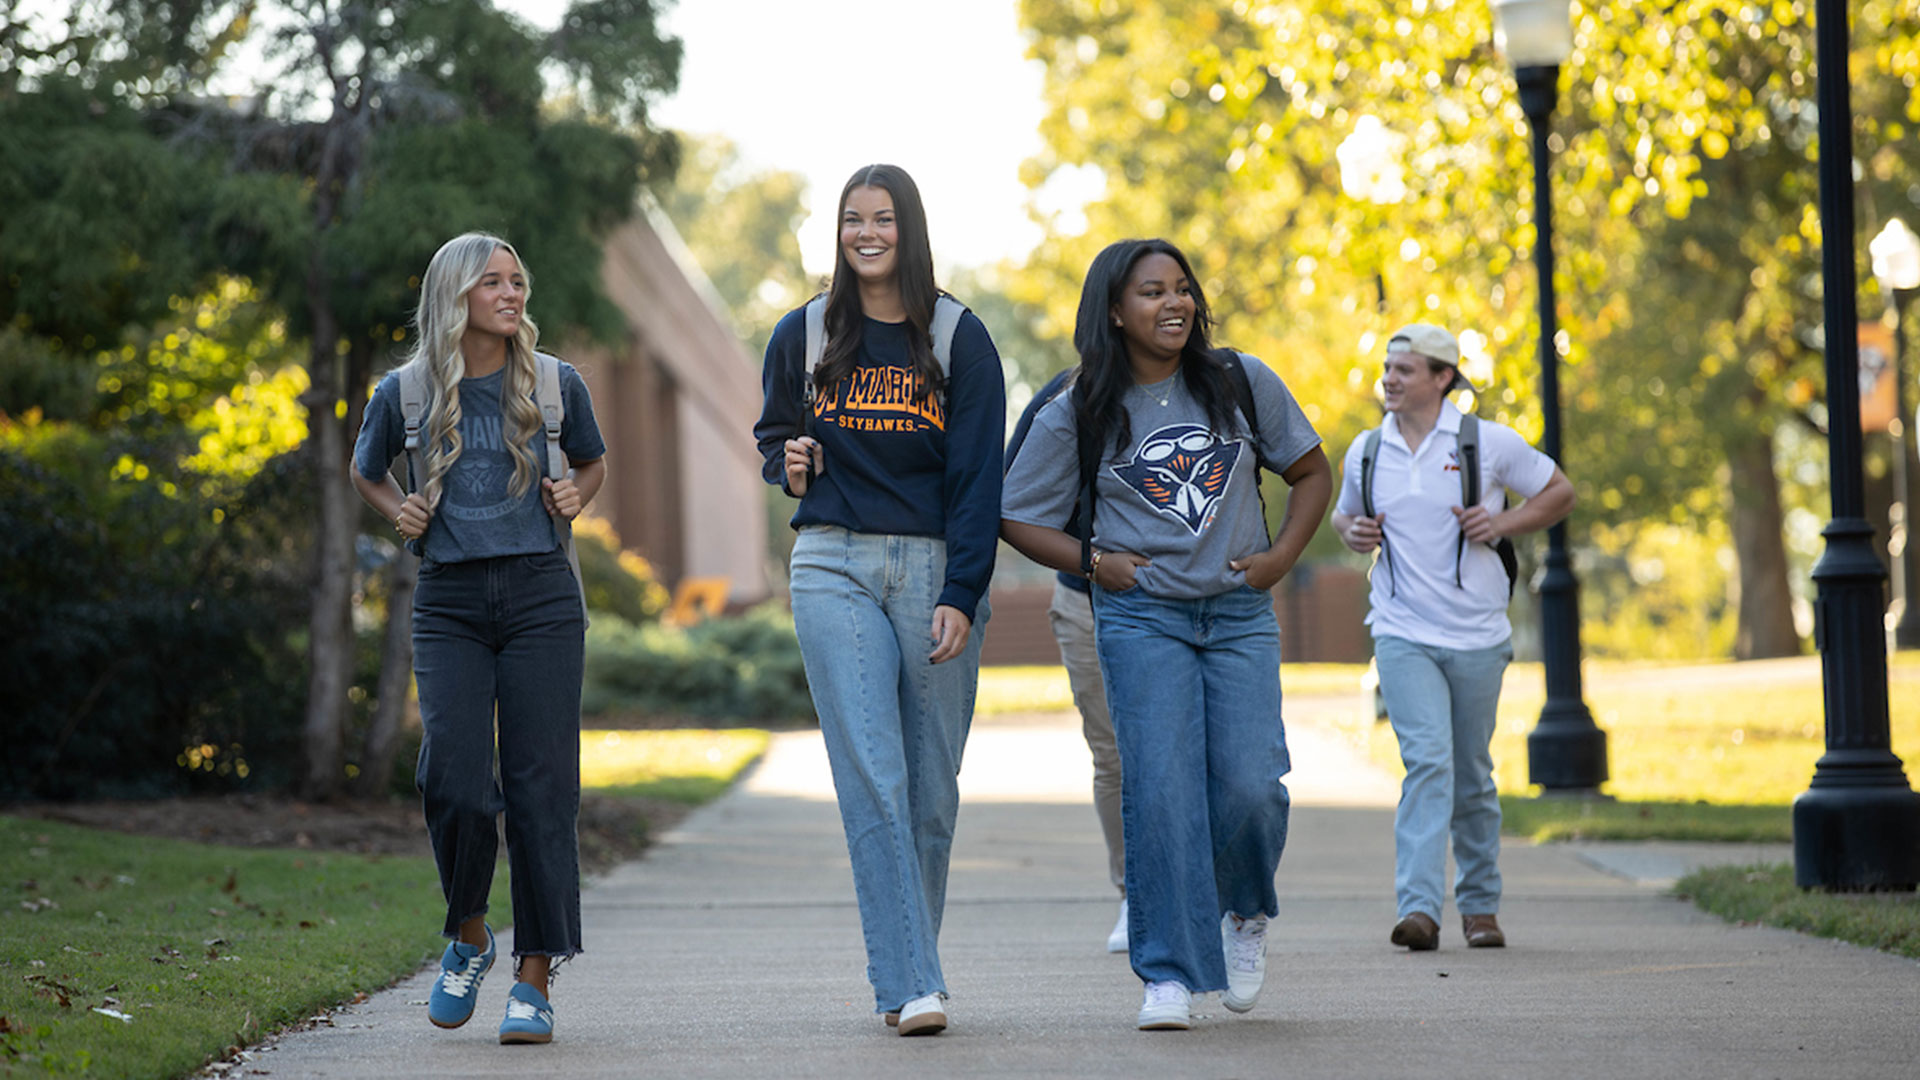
[733,950]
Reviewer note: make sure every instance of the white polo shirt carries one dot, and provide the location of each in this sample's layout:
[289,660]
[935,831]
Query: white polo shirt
[1416,491]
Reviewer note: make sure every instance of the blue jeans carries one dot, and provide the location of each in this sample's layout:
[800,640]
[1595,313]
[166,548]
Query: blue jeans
[1442,703]
[895,726]
[1194,687]
[498,654]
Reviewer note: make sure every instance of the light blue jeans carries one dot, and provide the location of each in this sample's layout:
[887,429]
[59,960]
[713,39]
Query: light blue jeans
[895,726]
[1194,687]
[1442,703]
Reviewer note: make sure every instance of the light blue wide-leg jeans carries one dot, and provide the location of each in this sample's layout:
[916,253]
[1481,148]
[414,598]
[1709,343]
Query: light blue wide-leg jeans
[895,726]
[1442,703]
[1194,688]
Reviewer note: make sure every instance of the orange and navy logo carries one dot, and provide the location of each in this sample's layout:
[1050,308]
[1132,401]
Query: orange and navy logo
[1182,471]
[881,399]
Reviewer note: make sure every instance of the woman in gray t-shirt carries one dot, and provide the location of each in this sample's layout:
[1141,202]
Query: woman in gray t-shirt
[1181,565]
[499,622]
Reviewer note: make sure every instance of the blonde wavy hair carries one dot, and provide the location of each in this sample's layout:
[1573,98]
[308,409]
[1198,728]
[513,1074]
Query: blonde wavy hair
[439,324]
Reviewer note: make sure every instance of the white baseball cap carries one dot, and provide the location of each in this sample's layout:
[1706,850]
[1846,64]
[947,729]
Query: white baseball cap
[1434,343]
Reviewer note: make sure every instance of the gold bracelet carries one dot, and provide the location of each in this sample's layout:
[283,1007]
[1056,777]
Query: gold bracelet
[1094,569]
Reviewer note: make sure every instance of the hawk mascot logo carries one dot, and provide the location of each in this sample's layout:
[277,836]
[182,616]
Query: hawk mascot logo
[1182,470]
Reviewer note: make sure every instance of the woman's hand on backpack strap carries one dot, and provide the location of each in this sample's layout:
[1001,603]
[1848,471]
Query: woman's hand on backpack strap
[561,497]
[801,452]
[414,514]
[950,632]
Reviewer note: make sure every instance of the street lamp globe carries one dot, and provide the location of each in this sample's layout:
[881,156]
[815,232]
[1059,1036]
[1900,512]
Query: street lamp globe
[1896,256]
[1533,33]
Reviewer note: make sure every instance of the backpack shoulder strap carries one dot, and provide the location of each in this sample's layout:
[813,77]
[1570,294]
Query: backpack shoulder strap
[1369,453]
[413,415]
[816,335]
[946,320]
[553,411]
[1467,447]
[1088,453]
[1242,385]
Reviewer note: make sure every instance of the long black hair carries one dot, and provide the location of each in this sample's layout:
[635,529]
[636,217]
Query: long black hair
[1105,375]
[913,269]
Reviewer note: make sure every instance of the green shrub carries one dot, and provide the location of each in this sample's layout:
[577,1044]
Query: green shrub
[743,667]
[617,582]
[151,633]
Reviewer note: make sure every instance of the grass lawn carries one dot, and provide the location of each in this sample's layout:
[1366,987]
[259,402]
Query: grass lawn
[133,956]
[1767,894]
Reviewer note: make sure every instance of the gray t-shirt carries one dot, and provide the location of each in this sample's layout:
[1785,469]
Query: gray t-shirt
[1179,495]
[478,516]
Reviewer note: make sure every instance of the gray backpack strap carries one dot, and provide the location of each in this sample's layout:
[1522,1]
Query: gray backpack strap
[413,414]
[1370,453]
[553,413]
[816,338]
[946,319]
[1467,444]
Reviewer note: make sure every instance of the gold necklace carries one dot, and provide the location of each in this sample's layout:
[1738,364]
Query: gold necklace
[1166,398]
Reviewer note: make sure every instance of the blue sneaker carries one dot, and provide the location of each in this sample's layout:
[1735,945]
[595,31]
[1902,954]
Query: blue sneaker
[462,967]
[529,1016]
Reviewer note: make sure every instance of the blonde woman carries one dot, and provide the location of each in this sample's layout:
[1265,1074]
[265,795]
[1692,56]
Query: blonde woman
[498,620]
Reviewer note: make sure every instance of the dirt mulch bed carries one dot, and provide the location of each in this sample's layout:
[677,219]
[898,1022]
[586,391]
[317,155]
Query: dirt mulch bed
[612,830]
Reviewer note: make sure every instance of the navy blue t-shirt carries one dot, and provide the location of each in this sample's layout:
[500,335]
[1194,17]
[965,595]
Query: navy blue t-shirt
[896,465]
[479,517]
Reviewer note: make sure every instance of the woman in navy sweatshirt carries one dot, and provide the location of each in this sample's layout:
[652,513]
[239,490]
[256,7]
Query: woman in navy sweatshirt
[886,417]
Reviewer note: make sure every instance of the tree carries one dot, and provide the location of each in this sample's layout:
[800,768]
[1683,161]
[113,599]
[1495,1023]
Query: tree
[1218,127]
[377,131]
[741,226]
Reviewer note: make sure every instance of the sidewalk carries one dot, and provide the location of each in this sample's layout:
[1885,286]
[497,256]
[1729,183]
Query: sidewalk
[733,950]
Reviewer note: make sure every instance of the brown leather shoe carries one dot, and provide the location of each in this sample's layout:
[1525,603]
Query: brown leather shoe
[1418,932]
[1482,932]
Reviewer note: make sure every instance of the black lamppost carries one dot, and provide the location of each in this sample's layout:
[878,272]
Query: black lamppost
[1566,751]
[1857,826]
[1896,262]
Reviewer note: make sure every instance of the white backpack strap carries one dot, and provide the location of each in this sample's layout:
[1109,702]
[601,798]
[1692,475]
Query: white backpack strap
[553,412]
[413,415]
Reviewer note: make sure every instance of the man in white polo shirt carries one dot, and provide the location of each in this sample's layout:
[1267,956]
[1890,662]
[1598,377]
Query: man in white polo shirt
[1440,632]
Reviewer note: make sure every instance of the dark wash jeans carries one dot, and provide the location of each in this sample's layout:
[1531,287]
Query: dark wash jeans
[505,638]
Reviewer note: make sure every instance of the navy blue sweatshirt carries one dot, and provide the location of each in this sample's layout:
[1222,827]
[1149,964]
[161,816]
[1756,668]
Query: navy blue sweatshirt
[893,465]
[1076,527]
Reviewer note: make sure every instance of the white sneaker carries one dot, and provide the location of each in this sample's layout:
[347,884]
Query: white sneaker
[1244,942]
[925,1015]
[1167,1006]
[1117,941]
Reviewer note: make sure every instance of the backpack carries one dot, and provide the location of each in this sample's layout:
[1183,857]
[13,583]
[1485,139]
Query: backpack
[1236,364]
[1468,442]
[946,319]
[414,395]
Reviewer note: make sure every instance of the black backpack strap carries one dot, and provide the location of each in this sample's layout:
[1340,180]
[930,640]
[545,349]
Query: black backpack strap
[1236,364]
[1088,453]
[1370,453]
